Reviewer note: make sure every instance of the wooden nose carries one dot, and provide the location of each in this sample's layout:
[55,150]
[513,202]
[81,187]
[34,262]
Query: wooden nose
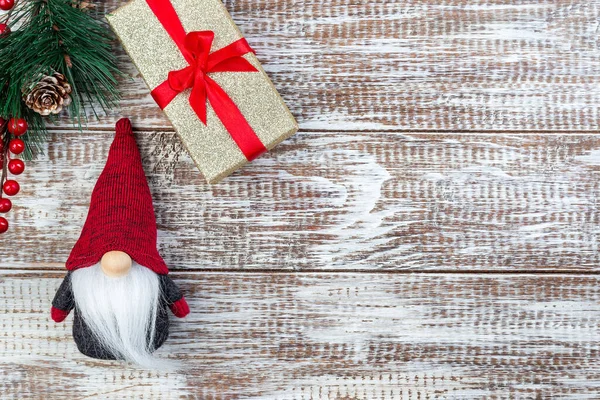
[115,264]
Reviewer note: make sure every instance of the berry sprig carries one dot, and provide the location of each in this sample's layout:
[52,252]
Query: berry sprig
[10,145]
[6,5]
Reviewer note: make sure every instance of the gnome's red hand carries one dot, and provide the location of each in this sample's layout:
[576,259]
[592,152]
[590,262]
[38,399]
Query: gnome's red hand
[58,315]
[180,308]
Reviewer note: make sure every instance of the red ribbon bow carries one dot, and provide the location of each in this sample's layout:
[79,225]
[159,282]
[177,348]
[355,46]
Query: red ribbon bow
[195,48]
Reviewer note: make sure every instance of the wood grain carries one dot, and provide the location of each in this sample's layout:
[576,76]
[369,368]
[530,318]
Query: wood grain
[327,336]
[455,140]
[344,201]
[421,64]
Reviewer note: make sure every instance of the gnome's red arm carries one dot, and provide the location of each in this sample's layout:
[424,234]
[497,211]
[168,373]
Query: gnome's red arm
[58,315]
[180,308]
[63,301]
[174,297]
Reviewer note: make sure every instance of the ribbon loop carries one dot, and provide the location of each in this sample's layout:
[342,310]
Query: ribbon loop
[195,47]
[182,79]
[199,44]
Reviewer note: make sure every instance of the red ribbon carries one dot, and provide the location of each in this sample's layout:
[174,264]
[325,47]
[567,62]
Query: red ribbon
[195,48]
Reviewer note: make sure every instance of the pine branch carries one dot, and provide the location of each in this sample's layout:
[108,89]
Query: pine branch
[56,36]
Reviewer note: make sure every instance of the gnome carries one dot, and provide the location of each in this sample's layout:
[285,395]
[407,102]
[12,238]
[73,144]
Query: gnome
[116,281]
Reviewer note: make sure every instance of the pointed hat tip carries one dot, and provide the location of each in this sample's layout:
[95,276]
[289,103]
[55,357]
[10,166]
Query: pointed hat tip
[123,127]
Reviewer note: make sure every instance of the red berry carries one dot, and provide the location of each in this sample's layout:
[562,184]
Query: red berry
[6,4]
[16,167]
[3,225]
[5,205]
[4,31]
[16,146]
[11,187]
[17,126]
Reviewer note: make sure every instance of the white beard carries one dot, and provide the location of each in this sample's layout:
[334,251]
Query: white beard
[121,312]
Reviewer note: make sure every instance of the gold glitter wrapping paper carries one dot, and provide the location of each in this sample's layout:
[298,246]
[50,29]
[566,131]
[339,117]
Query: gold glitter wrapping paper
[155,54]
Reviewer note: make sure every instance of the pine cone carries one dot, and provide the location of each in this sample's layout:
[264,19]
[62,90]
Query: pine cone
[49,95]
[84,5]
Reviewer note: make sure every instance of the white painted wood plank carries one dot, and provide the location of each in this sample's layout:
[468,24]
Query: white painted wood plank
[349,201]
[320,336]
[422,64]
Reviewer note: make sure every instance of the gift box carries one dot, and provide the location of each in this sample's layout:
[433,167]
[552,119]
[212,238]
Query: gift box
[206,78]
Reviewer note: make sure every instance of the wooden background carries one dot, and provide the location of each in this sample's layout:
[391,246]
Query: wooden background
[431,232]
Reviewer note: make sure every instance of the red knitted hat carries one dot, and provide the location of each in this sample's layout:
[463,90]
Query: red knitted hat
[121,215]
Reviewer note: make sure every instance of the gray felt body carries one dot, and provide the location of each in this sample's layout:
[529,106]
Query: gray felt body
[87,342]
